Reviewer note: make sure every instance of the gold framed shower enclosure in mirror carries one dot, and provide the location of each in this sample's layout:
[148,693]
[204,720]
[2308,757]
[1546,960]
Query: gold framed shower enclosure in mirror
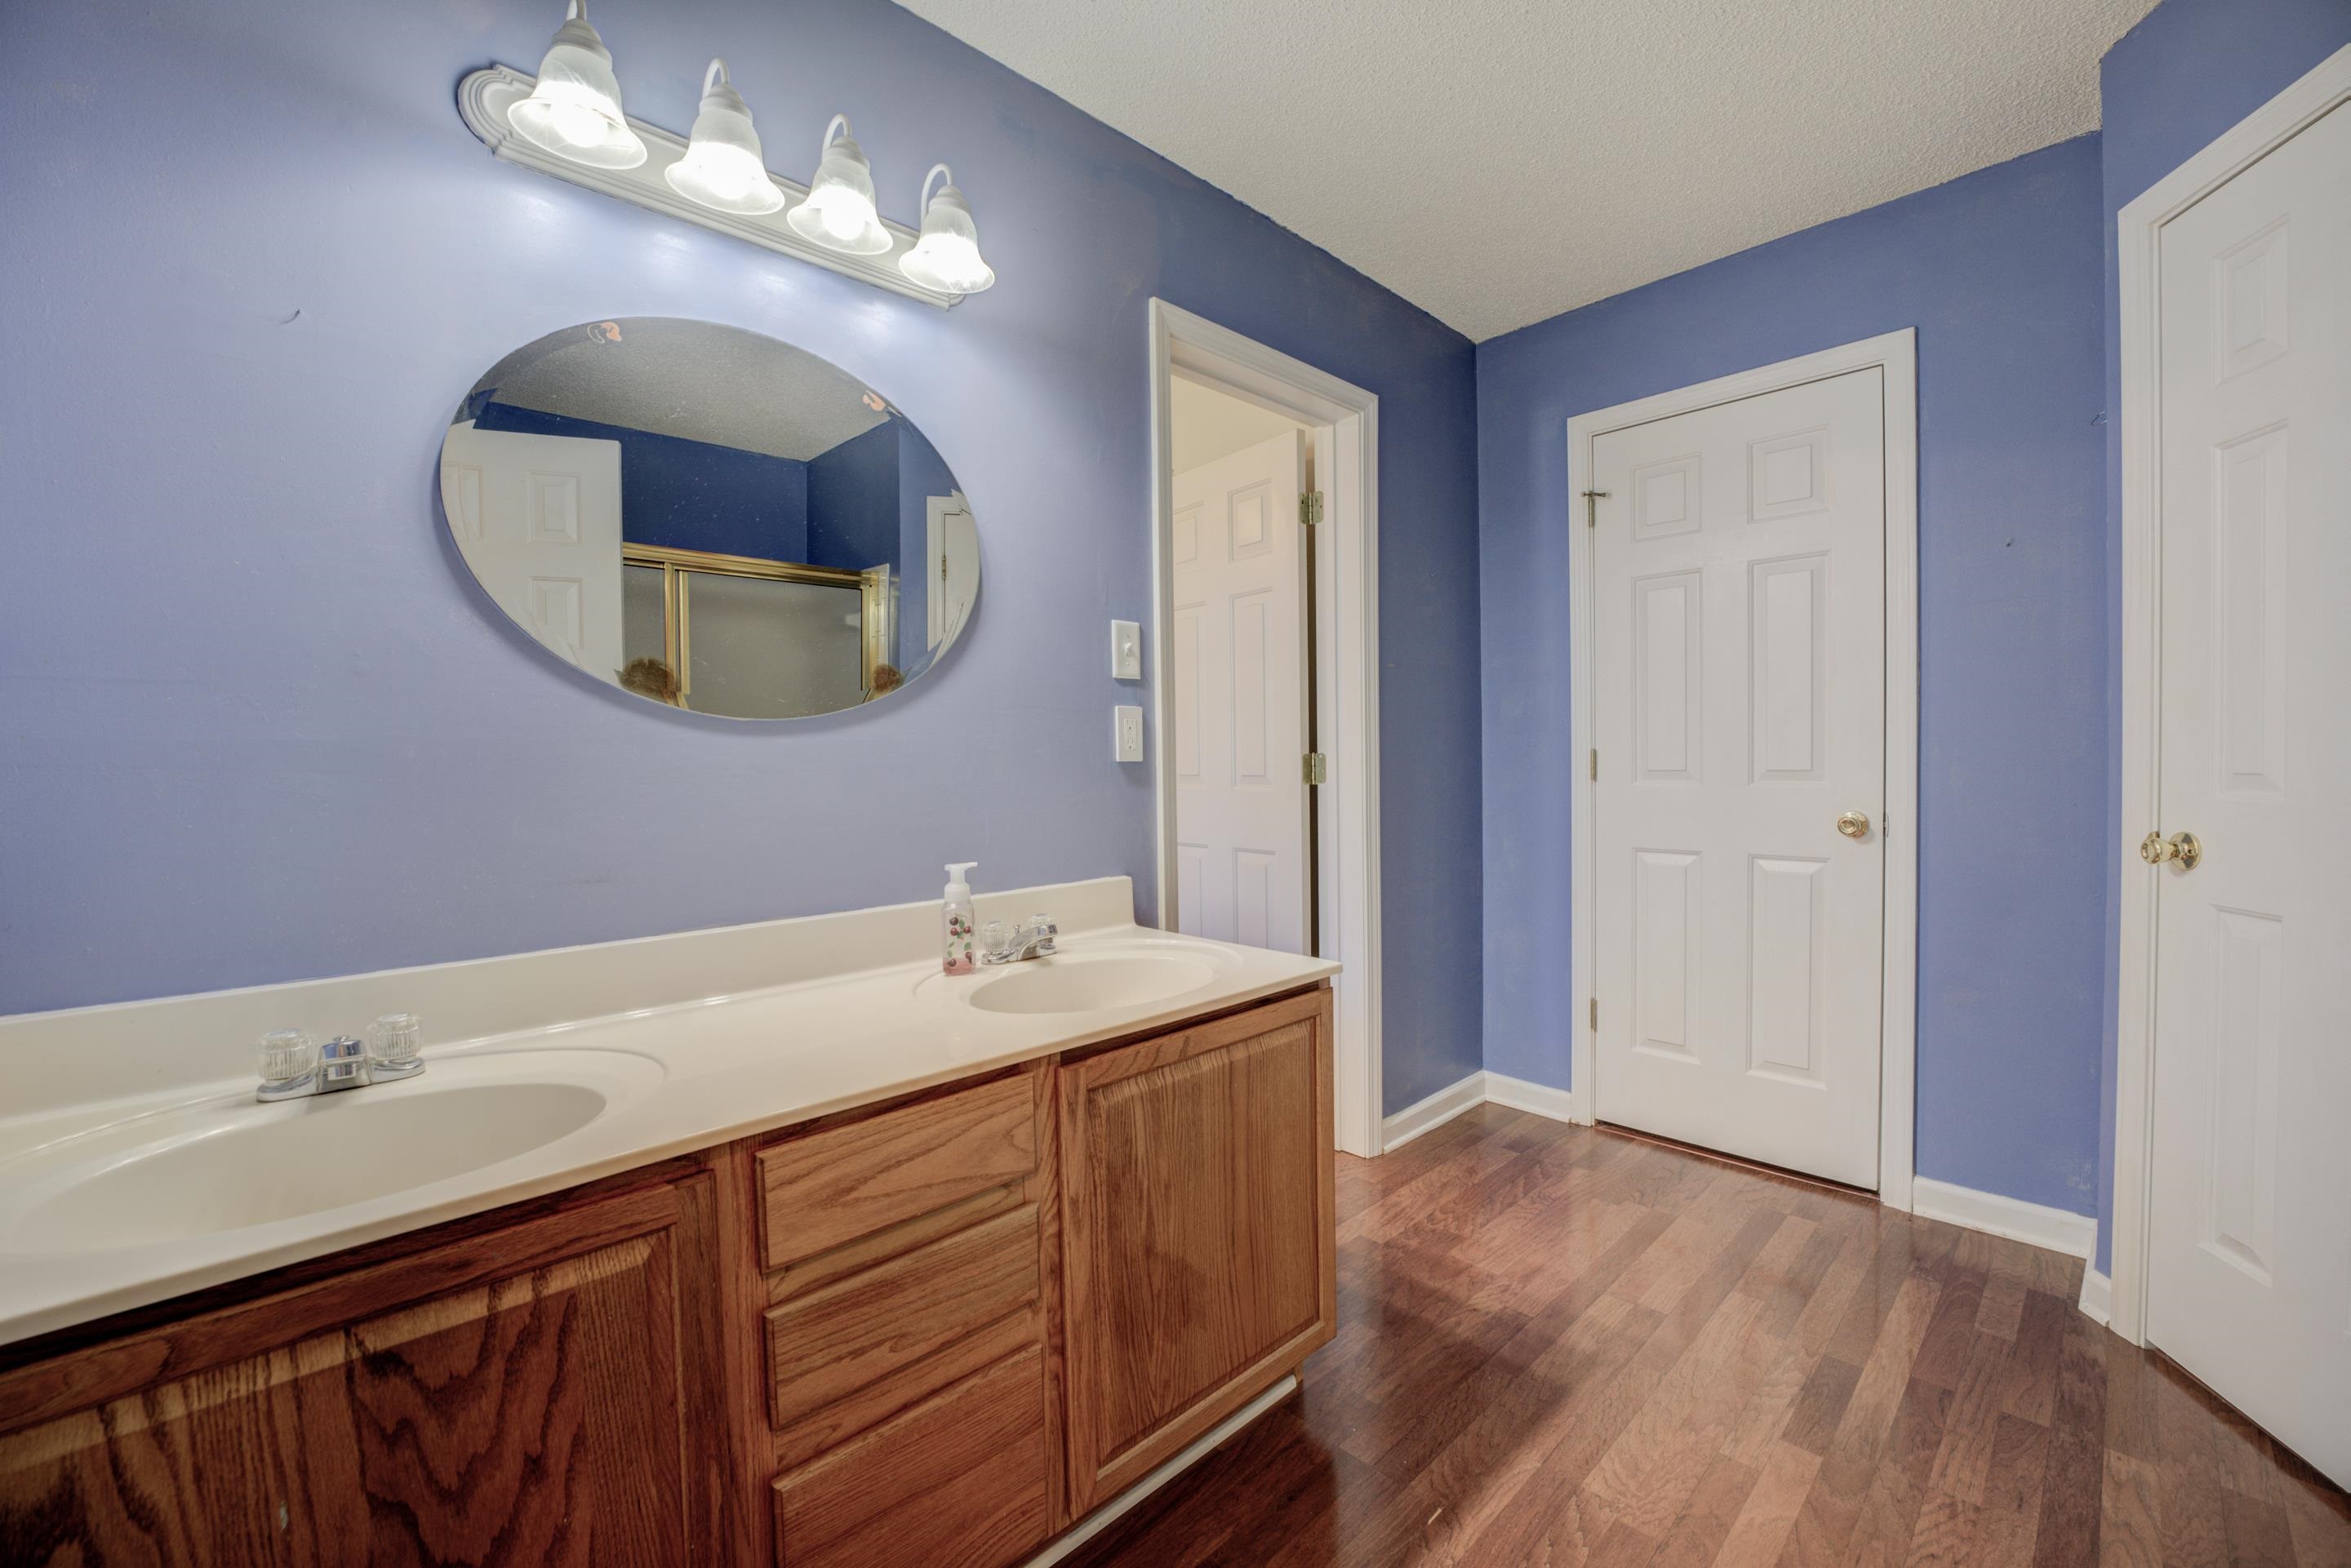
[851,613]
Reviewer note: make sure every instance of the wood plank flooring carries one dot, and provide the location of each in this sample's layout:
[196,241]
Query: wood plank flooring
[1559,1345]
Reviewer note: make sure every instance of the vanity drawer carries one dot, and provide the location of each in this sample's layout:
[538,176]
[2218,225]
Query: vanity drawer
[959,1480]
[830,1343]
[828,1188]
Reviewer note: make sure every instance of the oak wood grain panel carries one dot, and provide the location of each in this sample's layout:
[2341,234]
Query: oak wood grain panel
[876,1403]
[732,1400]
[530,1418]
[1199,1232]
[960,1481]
[832,1186]
[174,1348]
[809,1274]
[828,1344]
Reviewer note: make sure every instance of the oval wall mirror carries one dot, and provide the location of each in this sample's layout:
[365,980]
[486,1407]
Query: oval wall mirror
[709,518]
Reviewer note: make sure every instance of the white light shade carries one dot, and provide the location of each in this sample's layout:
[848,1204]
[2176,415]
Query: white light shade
[575,111]
[947,256]
[723,167]
[839,213]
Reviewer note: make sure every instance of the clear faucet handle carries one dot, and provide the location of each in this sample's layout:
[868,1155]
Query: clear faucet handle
[1043,931]
[288,1055]
[395,1040]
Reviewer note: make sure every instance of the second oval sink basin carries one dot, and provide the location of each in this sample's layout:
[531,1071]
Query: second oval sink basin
[223,1166]
[1077,984]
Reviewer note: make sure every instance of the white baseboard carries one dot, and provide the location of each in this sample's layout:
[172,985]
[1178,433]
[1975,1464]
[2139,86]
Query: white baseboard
[2097,1296]
[1434,1111]
[1535,1099]
[2075,1235]
[1478,1089]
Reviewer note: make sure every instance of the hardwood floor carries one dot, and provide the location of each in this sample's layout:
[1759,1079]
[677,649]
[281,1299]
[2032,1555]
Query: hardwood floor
[1558,1345]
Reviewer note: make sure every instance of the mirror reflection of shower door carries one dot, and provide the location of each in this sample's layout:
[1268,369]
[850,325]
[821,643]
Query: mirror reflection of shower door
[760,647]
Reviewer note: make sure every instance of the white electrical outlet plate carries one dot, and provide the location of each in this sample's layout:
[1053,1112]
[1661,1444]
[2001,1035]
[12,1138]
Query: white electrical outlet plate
[1127,732]
[1125,650]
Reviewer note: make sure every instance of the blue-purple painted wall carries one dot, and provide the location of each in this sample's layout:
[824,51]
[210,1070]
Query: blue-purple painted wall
[261,723]
[2169,87]
[1999,274]
[853,501]
[677,494]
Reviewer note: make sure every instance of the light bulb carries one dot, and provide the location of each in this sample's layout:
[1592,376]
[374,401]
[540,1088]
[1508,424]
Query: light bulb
[575,109]
[839,213]
[947,257]
[723,167]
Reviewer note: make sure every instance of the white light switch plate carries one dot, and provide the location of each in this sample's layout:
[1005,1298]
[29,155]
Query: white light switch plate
[1125,650]
[1127,732]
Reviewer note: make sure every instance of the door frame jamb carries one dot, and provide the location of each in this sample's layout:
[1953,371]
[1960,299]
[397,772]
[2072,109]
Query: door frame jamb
[1345,419]
[2138,254]
[1896,354]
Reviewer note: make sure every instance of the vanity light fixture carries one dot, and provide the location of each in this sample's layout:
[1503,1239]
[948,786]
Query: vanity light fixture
[839,213]
[566,122]
[947,256]
[723,167]
[574,111]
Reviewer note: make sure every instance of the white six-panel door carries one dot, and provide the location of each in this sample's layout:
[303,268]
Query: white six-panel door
[2250,1248]
[1238,658]
[539,520]
[1739,710]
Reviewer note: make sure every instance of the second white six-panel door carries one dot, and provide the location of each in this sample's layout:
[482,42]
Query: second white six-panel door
[1237,659]
[2249,1251]
[1739,713]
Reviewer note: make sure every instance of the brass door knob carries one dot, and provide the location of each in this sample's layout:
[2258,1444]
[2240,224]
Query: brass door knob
[1854,824]
[2155,850]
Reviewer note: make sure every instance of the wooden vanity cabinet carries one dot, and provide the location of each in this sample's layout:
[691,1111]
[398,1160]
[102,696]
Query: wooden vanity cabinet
[534,1392]
[1199,1258]
[935,1331]
[908,1326]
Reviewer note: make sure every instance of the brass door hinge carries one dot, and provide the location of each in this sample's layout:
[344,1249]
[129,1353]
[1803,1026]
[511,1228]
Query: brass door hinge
[1595,764]
[1595,1015]
[1592,499]
[1318,768]
[1310,507]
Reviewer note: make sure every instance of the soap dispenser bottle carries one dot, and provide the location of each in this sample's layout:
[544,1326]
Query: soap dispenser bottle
[957,921]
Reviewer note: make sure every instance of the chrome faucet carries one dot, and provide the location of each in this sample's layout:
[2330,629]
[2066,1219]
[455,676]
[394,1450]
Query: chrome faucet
[293,1065]
[1032,938]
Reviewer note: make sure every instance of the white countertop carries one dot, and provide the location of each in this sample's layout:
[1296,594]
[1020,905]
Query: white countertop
[677,1072]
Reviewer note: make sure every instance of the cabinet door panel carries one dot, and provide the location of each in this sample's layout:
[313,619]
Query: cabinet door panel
[1198,1233]
[533,1418]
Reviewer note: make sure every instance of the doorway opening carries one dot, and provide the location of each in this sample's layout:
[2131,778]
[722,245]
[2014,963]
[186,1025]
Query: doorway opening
[1263,670]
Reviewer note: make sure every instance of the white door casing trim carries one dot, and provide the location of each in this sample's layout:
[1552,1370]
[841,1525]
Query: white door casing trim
[1345,420]
[2139,239]
[2097,1294]
[1896,354]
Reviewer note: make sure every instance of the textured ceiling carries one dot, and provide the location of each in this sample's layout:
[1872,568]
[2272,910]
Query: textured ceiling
[1496,162]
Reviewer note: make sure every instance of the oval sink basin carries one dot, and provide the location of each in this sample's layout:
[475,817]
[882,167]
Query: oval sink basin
[226,1166]
[1067,985]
